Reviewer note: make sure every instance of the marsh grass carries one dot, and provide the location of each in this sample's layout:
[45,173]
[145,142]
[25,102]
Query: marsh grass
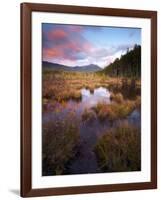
[138,102]
[118,109]
[60,140]
[118,97]
[114,110]
[129,88]
[88,115]
[119,149]
[61,85]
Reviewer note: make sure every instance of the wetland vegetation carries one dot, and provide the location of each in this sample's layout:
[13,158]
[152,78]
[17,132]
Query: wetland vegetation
[91,122]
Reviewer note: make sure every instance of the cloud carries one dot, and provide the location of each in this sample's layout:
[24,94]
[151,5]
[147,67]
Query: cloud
[57,34]
[68,45]
[49,53]
[75,28]
[105,56]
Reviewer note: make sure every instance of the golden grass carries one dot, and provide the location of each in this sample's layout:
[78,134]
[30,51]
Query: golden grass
[88,115]
[119,149]
[118,98]
[118,111]
[62,86]
[67,85]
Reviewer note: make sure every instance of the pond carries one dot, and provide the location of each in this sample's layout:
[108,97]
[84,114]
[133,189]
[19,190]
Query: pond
[90,98]
[85,161]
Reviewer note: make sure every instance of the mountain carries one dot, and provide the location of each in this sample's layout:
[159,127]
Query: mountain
[129,65]
[84,68]
[54,66]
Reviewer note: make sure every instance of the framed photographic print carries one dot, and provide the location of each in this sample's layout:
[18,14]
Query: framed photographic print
[88,99]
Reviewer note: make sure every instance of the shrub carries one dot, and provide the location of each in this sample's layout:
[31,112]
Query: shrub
[119,149]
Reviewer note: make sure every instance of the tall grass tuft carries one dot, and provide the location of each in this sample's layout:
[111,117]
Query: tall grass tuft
[60,139]
[118,98]
[119,149]
[114,110]
[88,115]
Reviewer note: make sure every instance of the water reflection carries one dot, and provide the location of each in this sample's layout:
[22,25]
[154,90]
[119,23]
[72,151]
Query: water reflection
[85,161]
[92,98]
[89,99]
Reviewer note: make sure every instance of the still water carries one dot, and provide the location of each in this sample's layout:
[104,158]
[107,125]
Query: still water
[85,161]
[98,95]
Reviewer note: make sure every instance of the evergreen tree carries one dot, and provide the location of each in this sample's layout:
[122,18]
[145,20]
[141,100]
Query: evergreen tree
[129,65]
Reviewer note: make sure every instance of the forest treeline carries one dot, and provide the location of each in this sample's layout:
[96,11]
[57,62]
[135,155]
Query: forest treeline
[129,65]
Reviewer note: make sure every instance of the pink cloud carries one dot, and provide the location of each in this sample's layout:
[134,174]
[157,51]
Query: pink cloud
[66,44]
[57,34]
[49,53]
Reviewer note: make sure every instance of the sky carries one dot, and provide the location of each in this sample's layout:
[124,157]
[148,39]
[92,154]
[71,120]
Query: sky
[79,45]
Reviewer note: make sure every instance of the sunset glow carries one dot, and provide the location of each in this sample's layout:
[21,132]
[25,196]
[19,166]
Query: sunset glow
[78,45]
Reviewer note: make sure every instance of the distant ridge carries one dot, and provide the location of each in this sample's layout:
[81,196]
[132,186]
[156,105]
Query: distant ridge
[56,66]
